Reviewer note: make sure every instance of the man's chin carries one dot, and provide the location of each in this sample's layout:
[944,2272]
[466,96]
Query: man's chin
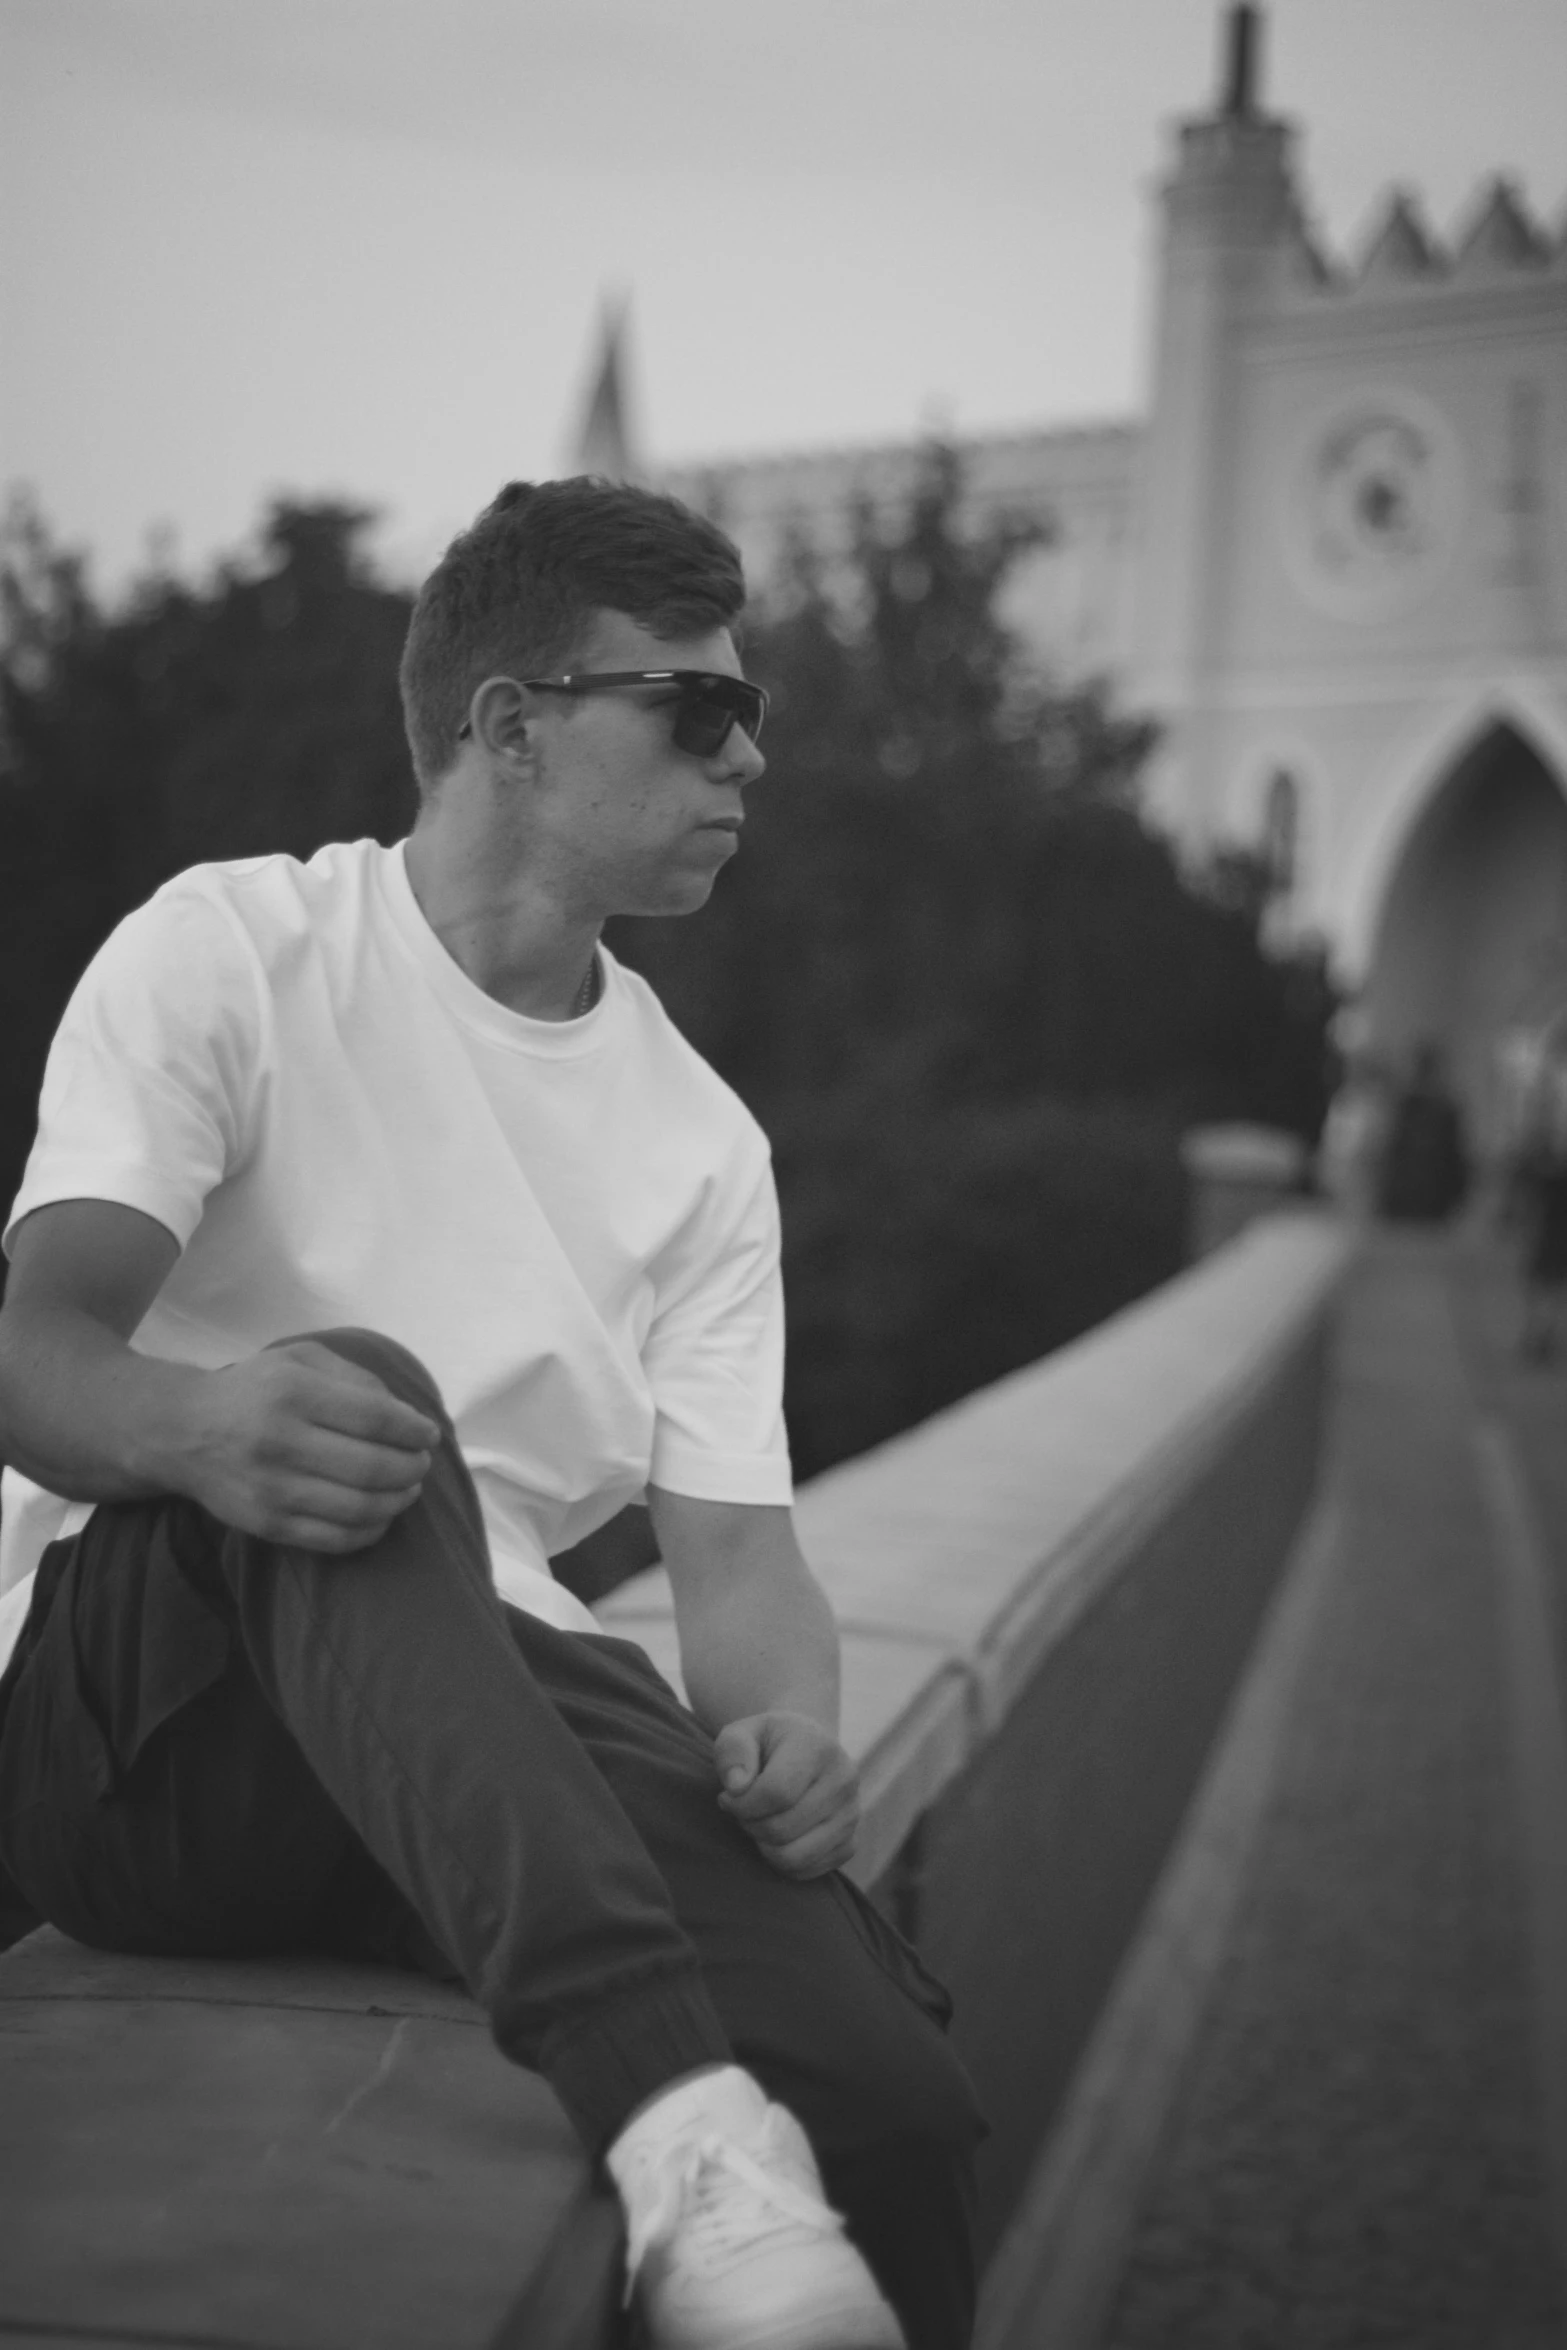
[687,895]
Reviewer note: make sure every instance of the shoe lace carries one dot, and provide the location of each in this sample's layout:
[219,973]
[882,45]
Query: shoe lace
[722,2197]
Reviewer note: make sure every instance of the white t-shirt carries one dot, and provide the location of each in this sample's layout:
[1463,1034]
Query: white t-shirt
[572,1223]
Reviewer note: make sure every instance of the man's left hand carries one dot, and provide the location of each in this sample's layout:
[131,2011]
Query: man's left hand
[792,1788]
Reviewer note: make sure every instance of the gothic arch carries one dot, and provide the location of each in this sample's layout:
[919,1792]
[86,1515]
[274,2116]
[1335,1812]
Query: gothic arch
[1418,770]
[1469,941]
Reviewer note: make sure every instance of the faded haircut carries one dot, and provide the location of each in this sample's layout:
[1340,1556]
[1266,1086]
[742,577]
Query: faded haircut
[515,593]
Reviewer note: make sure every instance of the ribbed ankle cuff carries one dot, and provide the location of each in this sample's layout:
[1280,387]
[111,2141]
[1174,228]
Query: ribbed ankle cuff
[605,2064]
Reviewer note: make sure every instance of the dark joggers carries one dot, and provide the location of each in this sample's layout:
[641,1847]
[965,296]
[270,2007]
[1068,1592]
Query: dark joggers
[213,1744]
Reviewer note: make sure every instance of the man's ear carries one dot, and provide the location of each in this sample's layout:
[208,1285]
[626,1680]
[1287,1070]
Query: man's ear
[499,716]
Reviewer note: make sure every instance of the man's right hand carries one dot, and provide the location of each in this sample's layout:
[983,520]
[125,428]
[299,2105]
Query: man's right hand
[295,1444]
[303,1447]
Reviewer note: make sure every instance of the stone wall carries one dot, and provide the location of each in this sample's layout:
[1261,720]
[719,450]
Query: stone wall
[1047,1594]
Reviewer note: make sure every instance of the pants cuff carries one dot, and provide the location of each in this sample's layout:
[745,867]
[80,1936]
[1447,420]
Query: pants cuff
[605,2064]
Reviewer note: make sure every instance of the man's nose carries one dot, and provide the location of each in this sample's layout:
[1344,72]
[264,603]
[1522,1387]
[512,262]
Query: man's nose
[739,760]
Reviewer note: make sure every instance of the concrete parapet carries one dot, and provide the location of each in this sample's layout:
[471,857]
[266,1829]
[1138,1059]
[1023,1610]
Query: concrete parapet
[1238,1173]
[1046,1593]
[960,1554]
[282,2154]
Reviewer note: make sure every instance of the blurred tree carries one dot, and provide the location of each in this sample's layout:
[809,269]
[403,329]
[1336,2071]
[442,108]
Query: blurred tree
[966,989]
[969,994]
[260,713]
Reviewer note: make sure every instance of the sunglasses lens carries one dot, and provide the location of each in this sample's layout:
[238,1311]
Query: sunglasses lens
[707,713]
[702,726]
[751,712]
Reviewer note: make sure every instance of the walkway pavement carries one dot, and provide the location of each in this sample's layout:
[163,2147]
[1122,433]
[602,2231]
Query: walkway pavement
[1369,2143]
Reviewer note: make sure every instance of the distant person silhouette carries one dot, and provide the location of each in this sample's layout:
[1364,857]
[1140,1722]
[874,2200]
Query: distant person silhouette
[1539,1202]
[1425,1165]
[1354,1137]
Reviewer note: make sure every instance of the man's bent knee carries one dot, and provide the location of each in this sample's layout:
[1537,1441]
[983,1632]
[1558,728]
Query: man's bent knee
[372,1350]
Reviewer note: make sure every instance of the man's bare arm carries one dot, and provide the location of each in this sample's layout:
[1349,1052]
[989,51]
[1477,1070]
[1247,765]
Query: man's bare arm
[759,1649]
[756,1629]
[293,1443]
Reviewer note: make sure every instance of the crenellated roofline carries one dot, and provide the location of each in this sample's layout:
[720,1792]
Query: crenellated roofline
[1497,237]
[1236,163]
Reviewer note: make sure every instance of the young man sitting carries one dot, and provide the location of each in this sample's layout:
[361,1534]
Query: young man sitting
[382,1239]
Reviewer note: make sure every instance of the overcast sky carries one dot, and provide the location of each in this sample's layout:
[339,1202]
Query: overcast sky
[359,246]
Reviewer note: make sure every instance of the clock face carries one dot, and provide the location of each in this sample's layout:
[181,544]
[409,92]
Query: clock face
[1373,501]
[1374,506]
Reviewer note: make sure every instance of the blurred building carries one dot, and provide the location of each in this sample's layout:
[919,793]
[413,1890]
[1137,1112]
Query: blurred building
[1332,561]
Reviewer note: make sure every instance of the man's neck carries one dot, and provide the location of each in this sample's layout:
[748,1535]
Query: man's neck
[498,924]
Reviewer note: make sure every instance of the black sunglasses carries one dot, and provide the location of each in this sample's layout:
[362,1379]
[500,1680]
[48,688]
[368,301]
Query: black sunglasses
[709,703]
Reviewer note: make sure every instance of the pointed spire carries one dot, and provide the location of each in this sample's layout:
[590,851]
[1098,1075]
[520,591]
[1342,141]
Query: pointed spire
[1242,62]
[1501,237]
[1400,249]
[605,443]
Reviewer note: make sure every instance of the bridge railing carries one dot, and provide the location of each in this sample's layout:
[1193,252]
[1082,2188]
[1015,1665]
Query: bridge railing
[1046,1593]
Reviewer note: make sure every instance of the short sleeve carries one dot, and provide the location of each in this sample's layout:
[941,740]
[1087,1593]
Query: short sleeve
[150,1084]
[714,1357]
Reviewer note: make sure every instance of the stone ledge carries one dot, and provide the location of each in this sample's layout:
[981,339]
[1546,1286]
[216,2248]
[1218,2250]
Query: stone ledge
[282,2155]
[299,2156]
[957,1555]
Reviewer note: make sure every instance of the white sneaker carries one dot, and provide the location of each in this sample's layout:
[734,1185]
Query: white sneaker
[732,2245]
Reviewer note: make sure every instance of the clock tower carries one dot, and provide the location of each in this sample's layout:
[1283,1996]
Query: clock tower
[1350,580]
[1330,562]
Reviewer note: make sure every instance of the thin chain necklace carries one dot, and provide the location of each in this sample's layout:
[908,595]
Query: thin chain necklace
[587,994]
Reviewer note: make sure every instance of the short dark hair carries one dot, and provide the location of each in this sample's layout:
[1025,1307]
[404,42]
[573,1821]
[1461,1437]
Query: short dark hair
[517,591]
